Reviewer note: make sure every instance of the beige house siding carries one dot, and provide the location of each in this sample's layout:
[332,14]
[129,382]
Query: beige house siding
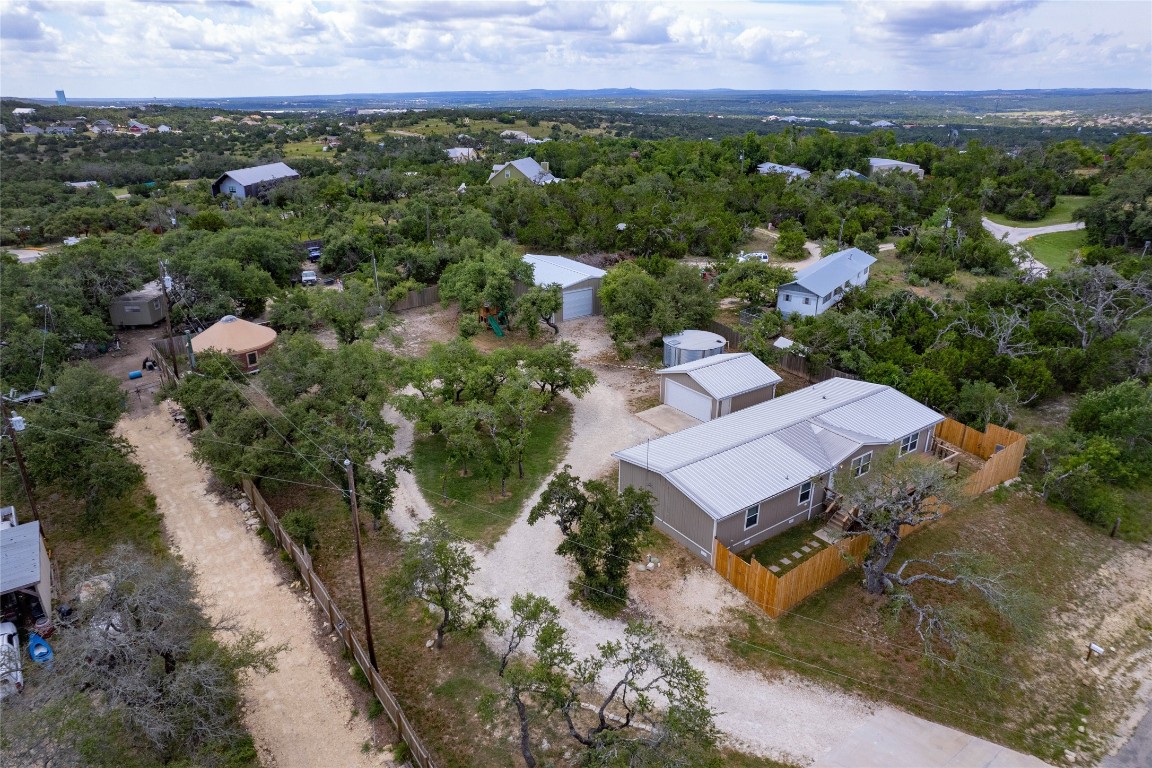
[755,397]
[676,514]
[777,514]
[686,381]
[594,284]
[507,174]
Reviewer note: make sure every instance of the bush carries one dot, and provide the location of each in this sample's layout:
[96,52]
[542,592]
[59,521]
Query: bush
[301,527]
[934,268]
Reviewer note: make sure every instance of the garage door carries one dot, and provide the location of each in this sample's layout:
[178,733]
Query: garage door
[693,403]
[577,303]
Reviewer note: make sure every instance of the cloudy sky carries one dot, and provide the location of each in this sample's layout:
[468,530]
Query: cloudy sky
[205,48]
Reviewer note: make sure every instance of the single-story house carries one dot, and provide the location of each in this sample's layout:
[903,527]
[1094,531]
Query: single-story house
[462,154]
[884,165]
[822,285]
[579,283]
[524,169]
[137,127]
[82,184]
[715,386]
[34,130]
[252,182]
[750,475]
[24,111]
[848,173]
[164,129]
[27,573]
[791,171]
[59,130]
[137,308]
[236,338]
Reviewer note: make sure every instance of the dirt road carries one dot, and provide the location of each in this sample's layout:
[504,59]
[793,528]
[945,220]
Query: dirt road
[1014,235]
[299,715]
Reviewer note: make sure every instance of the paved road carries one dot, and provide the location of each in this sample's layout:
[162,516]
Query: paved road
[1014,235]
[1137,752]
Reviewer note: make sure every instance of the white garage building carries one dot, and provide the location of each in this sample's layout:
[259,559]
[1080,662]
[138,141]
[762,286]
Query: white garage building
[579,283]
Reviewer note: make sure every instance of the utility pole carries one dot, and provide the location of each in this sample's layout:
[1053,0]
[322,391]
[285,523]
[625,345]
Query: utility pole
[165,281]
[11,427]
[375,275]
[360,562]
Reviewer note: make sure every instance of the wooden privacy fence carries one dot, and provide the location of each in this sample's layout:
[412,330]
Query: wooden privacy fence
[1002,448]
[731,335]
[417,299]
[798,365]
[776,594]
[324,600]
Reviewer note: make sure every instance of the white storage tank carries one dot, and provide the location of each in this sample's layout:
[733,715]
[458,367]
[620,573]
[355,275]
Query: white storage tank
[687,346]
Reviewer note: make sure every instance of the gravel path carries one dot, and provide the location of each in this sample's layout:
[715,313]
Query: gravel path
[1015,235]
[299,715]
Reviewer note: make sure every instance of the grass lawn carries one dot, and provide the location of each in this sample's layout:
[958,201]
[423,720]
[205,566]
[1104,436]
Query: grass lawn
[472,506]
[771,551]
[1056,250]
[1017,689]
[1061,213]
[310,148]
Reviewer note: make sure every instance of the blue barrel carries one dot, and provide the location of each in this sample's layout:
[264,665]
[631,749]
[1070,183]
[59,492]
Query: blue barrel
[135,375]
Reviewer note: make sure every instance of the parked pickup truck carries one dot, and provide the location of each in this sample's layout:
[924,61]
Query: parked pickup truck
[308,277]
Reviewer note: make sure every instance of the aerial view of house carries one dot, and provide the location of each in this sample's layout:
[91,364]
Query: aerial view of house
[579,282]
[822,285]
[524,169]
[718,385]
[252,182]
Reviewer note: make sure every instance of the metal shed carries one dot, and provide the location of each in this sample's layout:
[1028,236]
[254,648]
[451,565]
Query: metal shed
[142,307]
[24,565]
[686,346]
[579,282]
[715,386]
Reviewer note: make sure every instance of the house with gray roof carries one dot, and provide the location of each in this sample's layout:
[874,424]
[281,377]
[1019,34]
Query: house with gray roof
[26,577]
[879,165]
[462,154]
[524,169]
[716,386]
[822,285]
[750,475]
[579,283]
[252,182]
[791,171]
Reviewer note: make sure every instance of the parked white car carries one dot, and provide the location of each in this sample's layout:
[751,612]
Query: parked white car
[308,277]
[759,256]
[11,673]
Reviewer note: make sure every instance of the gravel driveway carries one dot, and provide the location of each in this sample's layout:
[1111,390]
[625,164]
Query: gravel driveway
[1015,235]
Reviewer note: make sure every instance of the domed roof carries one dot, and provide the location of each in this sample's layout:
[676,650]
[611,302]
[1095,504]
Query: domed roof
[234,336]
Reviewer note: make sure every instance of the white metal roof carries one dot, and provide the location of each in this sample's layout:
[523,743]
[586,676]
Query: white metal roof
[727,374]
[150,291]
[832,271]
[558,269]
[529,167]
[884,162]
[19,557]
[259,173]
[732,462]
[791,170]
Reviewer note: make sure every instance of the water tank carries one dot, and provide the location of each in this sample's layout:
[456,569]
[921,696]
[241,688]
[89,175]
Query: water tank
[687,346]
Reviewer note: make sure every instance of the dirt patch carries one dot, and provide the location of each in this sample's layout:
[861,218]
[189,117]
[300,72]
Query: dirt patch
[300,715]
[135,345]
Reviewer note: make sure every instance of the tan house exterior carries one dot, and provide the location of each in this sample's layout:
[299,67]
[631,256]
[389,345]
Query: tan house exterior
[716,386]
[525,169]
[750,475]
[238,339]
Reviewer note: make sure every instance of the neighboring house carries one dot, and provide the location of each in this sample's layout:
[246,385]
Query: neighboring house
[715,386]
[164,129]
[884,165]
[848,173]
[137,127]
[26,579]
[822,285]
[883,124]
[34,130]
[239,339]
[521,137]
[462,154]
[142,307]
[252,182]
[524,169]
[579,283]
[102,123]
[748,476]
[791,171]
[23,111]
[59,130]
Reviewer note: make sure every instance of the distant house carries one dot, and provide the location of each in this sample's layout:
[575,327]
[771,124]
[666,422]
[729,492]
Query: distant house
[164,129]
[715,386]
[745,477]
[524,169]
[238,339]
[252,182]
[883,124]
[822,285]
[521,137]
[102,123]
[59,130]
[880,165]
[791,171]
[848,173]
[23,111]
[82,184]
[138,308]
[137,127]
[33,130]
[462,154]
[579,283]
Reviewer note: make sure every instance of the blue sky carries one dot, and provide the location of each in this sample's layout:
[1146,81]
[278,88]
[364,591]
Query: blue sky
[204,48]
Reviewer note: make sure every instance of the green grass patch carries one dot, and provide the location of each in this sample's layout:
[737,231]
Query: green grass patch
[472,505]
[1061,213]
[309,148]
[772,551]
[1015,690]
[1057,249]
[734,759]
[76,539]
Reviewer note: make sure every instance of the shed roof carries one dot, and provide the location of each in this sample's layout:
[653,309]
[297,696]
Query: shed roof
[732,462]
[832,271]
[791,170]
[728,374]
[256,174]
[885,162]
[558,269]
[19,556]
[150,291]
[233,336]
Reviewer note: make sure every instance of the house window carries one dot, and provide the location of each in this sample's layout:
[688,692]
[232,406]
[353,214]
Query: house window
[751,516]
[507,174]
[908,444]
[805,492]
[807,300]
[827,298]
[252,359]
[861,464]
[131,309]
[787,297]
